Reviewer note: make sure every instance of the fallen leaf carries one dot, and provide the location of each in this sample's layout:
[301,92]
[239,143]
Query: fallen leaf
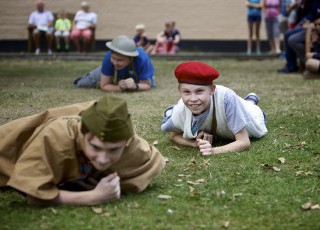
[302,143]
[191,189]
[196,182]
[236,195]
[299,172]
[316,206]
[176,148]
[282,160]
[206,162]
[164,197]
[155,142]
[97,210]
[54,211]
[266,165]
[136,205]
[269,166]
[276,169]
[178,185]
[106,214]
[286,146]
[226,224]
[306,206]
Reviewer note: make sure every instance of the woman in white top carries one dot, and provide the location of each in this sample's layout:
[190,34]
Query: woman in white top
[84,24]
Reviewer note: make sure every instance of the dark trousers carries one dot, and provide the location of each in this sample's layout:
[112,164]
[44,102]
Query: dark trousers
[294,47]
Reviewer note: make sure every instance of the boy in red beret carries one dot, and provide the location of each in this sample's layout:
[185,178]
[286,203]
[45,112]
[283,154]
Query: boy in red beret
[206,111]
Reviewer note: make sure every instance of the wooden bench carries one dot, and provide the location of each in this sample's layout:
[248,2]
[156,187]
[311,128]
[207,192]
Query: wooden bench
[31,46]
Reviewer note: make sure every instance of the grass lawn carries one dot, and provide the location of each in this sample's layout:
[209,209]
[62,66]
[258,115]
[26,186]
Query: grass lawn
[236,192]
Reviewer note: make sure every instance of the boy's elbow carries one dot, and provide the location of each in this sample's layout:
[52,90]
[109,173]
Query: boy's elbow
[246,144]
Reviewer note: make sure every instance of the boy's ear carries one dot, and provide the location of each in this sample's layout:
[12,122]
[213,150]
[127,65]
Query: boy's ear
[213,88]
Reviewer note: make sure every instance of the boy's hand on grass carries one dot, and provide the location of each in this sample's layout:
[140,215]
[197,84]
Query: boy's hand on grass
[130,84]
[205,147]
[123,85]
[205,136]
[108,188]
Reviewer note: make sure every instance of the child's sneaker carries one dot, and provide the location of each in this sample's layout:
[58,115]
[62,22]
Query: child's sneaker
[252,97]
[37,51]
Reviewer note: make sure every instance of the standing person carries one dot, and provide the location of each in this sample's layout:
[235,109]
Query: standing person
[62,27]
[83,27]
[206,111]
[41,24]
[125,68]
[60,157]
[272,9]
[141,39]
[168,40]
[254,21]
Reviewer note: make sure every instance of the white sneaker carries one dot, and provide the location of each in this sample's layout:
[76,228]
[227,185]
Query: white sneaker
[37,51]
[252,97]
[49,52]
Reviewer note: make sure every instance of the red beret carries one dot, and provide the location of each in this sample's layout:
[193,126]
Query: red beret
[197,73]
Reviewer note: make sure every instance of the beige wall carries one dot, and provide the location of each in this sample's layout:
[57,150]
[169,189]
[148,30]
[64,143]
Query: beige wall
[196,19]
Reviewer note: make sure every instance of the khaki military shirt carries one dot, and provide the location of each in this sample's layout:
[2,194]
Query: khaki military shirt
[39,152]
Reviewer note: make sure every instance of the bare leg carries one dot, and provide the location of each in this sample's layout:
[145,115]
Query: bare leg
[77,44]
[86,43]
[49,40]
[277,45]
[258,36]
[58,46]
[249,43]
[36,38]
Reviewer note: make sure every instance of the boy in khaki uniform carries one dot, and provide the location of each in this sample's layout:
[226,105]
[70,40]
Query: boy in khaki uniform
[58,157]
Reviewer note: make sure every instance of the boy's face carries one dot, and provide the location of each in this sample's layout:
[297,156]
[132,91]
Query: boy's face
[102,154]
[196,97]
[119,61]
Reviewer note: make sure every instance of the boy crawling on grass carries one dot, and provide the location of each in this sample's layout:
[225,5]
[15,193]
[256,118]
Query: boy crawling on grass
[84,159]
[206,111]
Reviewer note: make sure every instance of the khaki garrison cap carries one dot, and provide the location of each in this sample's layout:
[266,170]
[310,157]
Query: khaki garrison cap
[108,119]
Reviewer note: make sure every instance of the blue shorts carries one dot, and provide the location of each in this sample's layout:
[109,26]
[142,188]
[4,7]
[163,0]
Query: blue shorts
[252,18]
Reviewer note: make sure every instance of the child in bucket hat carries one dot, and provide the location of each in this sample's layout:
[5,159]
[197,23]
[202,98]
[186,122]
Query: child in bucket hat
[206,111]
[59,157]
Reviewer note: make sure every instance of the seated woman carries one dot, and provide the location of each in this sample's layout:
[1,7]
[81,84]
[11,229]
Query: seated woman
[313,52]
[206,111]
[141,39]
[84,24]
[81,154]
[167,40]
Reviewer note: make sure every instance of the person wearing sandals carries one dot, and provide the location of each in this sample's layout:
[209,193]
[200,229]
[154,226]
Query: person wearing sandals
[207,111]
[80,154]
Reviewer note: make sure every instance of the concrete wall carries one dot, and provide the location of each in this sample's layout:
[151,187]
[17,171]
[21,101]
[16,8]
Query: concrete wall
[196,19]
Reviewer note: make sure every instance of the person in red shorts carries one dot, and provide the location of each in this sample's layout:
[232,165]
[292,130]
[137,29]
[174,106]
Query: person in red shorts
[83,25]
